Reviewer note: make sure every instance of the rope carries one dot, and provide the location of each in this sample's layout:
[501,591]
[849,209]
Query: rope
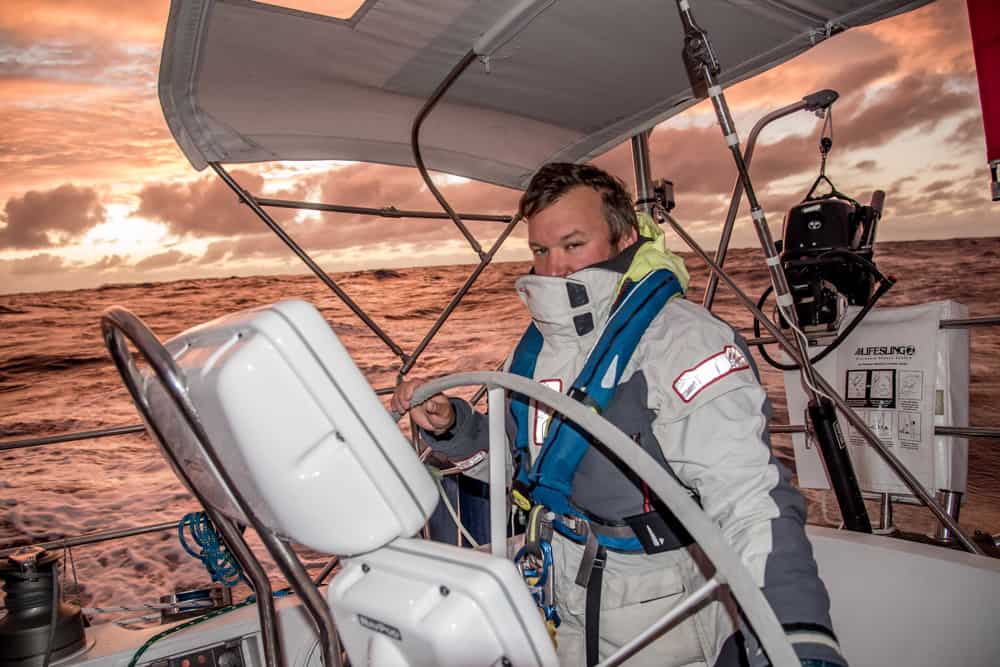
[436,476]
[213,554]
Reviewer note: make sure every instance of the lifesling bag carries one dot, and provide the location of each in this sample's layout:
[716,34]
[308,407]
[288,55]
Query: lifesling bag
[549,480]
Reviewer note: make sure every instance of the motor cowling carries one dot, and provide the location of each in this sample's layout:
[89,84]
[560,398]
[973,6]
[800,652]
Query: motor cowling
[827,253]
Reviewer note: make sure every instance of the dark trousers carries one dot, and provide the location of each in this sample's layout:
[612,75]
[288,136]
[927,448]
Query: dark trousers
[472,498]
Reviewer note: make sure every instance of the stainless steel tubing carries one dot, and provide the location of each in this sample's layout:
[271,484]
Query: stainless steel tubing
[71,437]
[303,586]
[885,512]
[384,212]
[960,431]
[643,173]
[251,201]
[418,159]
[457,298]
[858,423]
[988,321]
[952,503]
[650,634]
[117,324]
[727,563]
[94,538]
[498,471]
[734,202]
[258,579]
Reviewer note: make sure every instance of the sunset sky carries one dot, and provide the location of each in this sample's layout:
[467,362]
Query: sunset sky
[93,189]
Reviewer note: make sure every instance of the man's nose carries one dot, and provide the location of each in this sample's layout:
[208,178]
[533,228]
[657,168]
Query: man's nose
[558,264]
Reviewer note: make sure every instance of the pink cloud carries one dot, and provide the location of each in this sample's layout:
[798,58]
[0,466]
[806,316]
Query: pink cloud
[49,218]
[163,260]
[205,207]
[40,264]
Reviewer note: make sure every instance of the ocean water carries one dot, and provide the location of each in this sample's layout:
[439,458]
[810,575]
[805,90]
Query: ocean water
[56,377]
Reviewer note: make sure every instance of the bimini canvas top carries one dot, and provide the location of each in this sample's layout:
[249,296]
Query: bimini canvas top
[243,81]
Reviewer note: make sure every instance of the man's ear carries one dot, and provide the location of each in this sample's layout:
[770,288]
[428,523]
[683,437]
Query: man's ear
[628,238]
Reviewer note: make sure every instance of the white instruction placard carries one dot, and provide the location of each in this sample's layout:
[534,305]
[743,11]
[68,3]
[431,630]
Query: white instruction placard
[901,374]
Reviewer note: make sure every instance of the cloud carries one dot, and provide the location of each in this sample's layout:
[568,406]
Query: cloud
[243,248]
[163,260]
[917,102]
[136,20]
[934,38]
[77,93]
[105,136]
[374,185]
[40,264]
[77,96]
[969,132]
[49,218]
[109,262]
[205,207]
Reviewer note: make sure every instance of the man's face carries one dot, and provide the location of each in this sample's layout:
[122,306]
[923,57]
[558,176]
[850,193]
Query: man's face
[572,234]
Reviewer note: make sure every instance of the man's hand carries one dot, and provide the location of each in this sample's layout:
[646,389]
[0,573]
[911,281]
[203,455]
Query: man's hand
[435,415]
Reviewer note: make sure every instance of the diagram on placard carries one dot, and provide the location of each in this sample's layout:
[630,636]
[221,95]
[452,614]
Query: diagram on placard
[880,422]
[909,427]
[882,384]
[857,383]
[911,385]
[854,436]
[871,388]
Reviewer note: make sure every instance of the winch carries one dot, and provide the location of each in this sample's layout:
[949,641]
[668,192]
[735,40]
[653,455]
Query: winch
[39,627]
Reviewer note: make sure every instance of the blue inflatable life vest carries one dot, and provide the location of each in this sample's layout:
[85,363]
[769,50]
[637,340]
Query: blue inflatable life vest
[549,479]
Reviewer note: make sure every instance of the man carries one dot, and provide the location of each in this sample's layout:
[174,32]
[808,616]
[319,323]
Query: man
[688,394]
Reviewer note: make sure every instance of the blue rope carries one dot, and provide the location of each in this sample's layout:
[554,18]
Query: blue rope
[213,553]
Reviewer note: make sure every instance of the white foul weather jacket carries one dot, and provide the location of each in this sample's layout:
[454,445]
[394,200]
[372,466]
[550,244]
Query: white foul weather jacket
[689,396]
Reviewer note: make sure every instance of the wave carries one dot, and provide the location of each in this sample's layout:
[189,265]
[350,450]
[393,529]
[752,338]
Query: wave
[46,363]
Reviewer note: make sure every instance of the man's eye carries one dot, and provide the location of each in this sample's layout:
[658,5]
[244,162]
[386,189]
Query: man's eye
[573,246]
[538,251]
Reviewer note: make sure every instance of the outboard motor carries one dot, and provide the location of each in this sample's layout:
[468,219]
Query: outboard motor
[39,627]
[827,254]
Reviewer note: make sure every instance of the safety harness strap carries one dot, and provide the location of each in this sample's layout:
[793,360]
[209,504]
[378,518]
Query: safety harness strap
[592,620]
[550,478]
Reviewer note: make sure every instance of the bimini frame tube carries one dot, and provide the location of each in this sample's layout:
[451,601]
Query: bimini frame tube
[702,67]
[818,101]
[485,257]
[419,160]
[643,173]
[251,201]
[384,212]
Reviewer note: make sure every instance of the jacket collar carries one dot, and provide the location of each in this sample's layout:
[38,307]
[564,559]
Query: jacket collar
[571,310]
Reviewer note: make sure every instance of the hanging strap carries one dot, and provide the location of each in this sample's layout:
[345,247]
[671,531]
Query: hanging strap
[592,619]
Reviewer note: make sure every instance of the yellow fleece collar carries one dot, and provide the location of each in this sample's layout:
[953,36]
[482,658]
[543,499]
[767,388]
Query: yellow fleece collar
[653,255]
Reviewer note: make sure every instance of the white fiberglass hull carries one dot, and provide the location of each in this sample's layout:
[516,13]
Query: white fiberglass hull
[893,603]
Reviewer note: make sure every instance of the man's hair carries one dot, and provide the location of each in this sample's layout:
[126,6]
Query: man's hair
[555,179]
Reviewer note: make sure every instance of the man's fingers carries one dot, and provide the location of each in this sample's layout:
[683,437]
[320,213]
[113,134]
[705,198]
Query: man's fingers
[403,395]
[434,415]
